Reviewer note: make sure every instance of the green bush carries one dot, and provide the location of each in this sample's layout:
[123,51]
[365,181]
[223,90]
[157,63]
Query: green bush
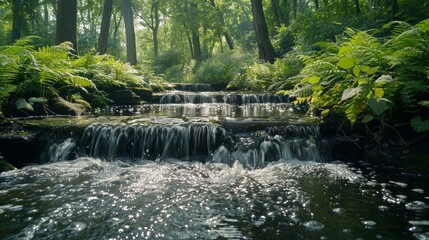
[365,78]
[221,68]
[167,60]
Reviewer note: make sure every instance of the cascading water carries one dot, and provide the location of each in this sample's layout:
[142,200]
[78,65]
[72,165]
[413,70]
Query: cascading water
[200,141]
[239,167]
[182,141]
[215,97]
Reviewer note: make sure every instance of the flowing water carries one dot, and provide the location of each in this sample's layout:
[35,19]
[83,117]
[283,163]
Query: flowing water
[207,171]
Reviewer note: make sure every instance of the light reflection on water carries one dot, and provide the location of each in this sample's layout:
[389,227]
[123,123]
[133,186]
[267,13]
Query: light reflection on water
[93,199]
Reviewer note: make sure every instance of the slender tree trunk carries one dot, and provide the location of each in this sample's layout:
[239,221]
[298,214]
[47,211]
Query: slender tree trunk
[155,12]
[66,22]
[196,45]
[191,47]
[394,9]
[16,20]
[105,26]
[295,8]
[357,7]
[195,32]
[277,12]
[316,4]
[228,40]
[266,50]
[129,32]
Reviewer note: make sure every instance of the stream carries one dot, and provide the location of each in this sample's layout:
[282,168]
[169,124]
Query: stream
[207,165]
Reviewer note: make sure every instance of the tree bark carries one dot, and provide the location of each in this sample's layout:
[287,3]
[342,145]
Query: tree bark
[265,48]
[195,32]
[228,40]
[16,20]
[394,9]
[105,26]
[295,8]
[277,12]
[129,32]
[155,23]
[196,45]
[67,22]
[357,7]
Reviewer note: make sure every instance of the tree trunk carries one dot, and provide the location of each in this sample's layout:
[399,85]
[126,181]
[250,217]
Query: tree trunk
[155,12]
[66,22]
[105,25]
[316,4]
[129,32]
[16,20]
[277,12]
[394,9]
[196,45]
[155,42]
[228,40]
[357,7]
[266,50]
[295,8]
[195,32]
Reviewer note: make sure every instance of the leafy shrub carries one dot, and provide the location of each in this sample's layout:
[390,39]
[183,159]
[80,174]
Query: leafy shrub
[363,77]
[220,68]
[167,60]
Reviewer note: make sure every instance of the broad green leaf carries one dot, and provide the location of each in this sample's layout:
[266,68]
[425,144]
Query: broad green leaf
[21,104]
[346,63]
[353,112]
[378,92]
[343,51]
[364,68]
[313,79]
[324,112]
[383,79]
[372,70]
[350,92]
[37,100]
[424,103]
[356,71]
[367,118]
[378,105]
[419,125]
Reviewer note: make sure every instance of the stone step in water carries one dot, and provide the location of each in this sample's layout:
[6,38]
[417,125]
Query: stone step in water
[196,87]
[216,97]
[284,112]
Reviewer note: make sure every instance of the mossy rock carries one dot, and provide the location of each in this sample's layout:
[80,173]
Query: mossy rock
[143,93]
[84,103]
[5,166]
[61,106]
[124,97]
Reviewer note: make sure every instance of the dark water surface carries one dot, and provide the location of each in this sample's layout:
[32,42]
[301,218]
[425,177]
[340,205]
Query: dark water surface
[93,199]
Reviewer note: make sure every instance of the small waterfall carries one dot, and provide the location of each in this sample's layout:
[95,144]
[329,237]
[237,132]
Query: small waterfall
[285,143]
[198,87]
[175,98]
[237,99]
[182,141]
[241,99]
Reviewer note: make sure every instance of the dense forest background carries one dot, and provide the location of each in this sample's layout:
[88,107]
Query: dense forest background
[366,60]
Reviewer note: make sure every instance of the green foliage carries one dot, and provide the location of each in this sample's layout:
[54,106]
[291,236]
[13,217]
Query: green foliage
[364,77]
[221,67]
[168,59]
[29,76]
